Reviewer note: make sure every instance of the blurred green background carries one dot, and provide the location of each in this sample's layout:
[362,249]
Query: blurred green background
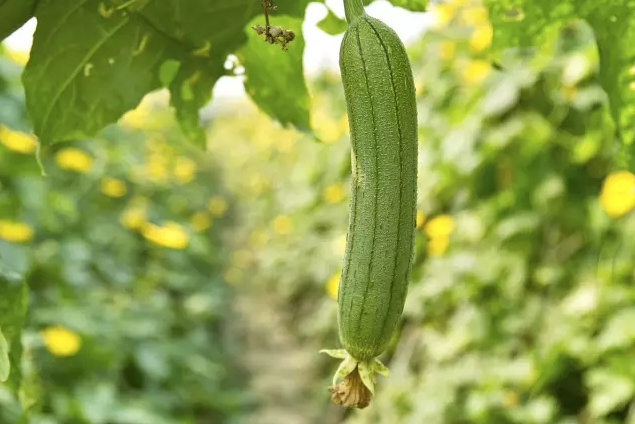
[170,286]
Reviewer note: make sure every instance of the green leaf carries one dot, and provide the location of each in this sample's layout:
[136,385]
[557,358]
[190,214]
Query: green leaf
[332,24]
[12,315]
[526,23]
[74,92]
[275,78]
[614,26]
[190,90]
[5,366]
[14,14]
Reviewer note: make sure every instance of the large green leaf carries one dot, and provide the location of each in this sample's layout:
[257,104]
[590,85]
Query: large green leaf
[87,68]
[117,55]
[12,314]
[525,23]
[14,14]
[93,61]
[275,78]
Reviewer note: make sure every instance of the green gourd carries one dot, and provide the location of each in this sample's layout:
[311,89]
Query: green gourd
[381,104]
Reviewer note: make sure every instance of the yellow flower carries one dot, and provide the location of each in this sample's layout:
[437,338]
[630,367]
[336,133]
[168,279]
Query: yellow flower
[332,285]
[74,159]
[439,226]
[200,221]
[344,126]
[443,13]
[157,168]
[475,71]
[334,193]
[171,235]
[447,49]
[474,15]
[135,216]
[618,193]
[282,224]
[419,86]
[138,118]
[113,187]
[481,38]
[329,130]
[438,245]
[421,218]
[61,341]
[185,169]
[13,231]
[17,141]
[217,205]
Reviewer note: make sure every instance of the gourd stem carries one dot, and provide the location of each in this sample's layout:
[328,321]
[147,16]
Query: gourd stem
[353,9]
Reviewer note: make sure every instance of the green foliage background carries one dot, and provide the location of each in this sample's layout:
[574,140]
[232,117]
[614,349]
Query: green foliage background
[526,318]
[155,323]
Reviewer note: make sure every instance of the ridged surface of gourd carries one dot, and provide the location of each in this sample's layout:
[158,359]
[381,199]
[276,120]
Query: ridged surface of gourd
[380,96]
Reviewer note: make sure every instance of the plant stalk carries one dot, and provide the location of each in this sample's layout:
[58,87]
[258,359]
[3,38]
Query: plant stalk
[353,9]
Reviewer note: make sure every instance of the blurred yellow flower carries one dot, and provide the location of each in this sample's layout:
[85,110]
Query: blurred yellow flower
[233,275]
[171,235]
[328,129]
[332,285]
[441,225]
[481,38]
[61,341]
[421,218]
[447,49]
[442,13]
[282,224]
[217,205]
[438,245]
[134,217]
[138,118]
[344,126]
[334,193]
[184,169]
[618,193]
[438,229]
[113,187]
[157,168]
[74,159]
[475,71]
[419,86]
[201,221]
[17,232]
[474,14]
[17,141]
